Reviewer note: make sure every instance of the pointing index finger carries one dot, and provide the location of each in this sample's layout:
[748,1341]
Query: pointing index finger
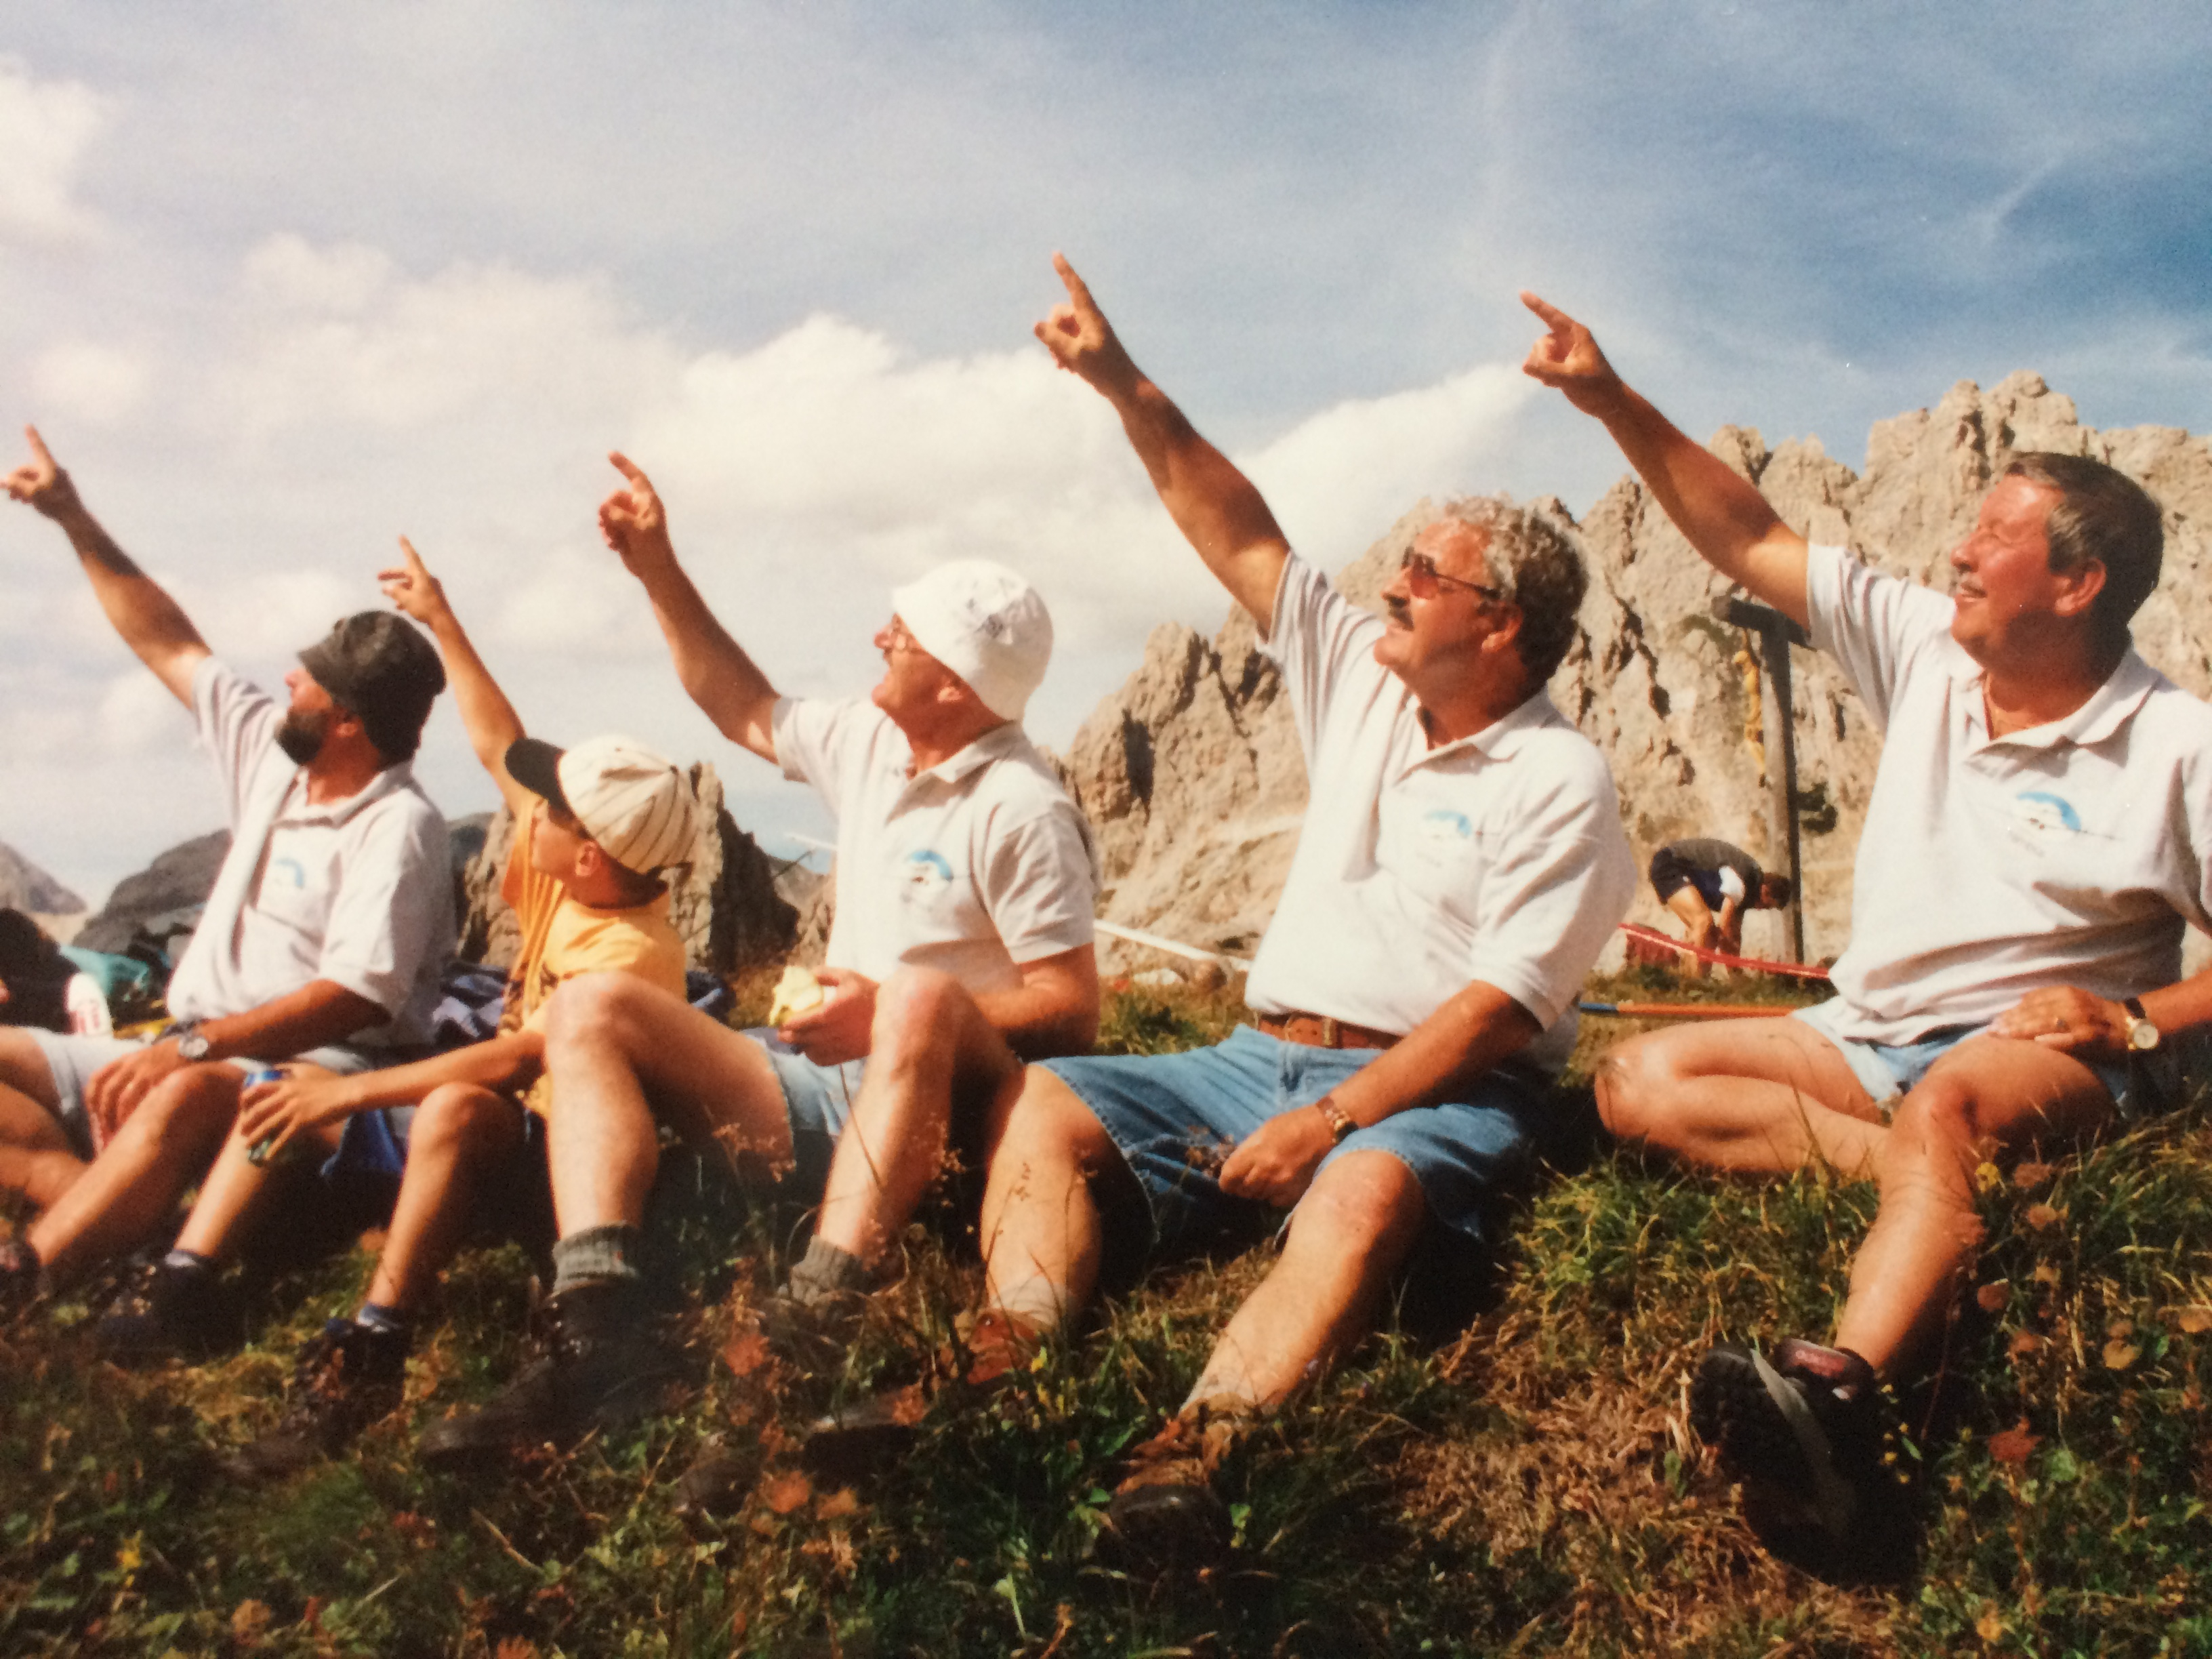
[1078,289]
[627,467]
[1550,312]
[415,566]
[39,445]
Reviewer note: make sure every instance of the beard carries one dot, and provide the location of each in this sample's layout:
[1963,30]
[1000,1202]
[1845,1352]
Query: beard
[301,733]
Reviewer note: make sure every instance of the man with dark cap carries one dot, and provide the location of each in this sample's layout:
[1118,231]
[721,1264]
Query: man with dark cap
[320,946]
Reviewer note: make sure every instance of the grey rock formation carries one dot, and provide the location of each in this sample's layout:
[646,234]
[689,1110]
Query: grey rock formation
[1191,771]
[24,886]
[726,906]
[163,898]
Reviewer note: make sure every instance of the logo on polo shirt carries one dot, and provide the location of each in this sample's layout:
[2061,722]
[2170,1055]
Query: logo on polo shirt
[1440,824]
[292,868]
[927,871]
[2045,813]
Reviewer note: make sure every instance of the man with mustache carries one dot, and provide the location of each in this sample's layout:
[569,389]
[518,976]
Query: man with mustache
[2035,845]
[321,944]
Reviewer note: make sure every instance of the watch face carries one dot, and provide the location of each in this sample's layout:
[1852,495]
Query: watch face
[2142,1036]
[192,1046]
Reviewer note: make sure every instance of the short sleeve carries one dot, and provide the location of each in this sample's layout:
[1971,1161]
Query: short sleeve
[1319,635]
[1732,885]
[1872,624]
[237,722]
[1562,883]
[1041,886]
[814,739]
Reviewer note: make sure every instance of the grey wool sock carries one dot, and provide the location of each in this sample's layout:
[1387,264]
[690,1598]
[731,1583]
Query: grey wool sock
[826,1271]
[595,1256]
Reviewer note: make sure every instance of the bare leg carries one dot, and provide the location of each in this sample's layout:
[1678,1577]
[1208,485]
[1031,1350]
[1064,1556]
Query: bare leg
[1347,1236]
[1040,1218]
[36,1159]
[929,1047]
[133,1186]
[1689,904]
[237,1186]
[1748,1095]
[608,1038]
[460,1134]
[1987,1097]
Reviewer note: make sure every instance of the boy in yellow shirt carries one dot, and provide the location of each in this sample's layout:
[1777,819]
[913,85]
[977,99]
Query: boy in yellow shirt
[594,824]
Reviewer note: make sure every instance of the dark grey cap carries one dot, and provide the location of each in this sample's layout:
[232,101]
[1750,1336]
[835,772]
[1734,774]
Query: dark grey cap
[382,668]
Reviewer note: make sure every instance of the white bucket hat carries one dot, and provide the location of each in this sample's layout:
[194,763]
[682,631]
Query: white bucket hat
[986,624]
[637,805]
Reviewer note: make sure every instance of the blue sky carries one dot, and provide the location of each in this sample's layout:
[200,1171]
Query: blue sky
[282,282]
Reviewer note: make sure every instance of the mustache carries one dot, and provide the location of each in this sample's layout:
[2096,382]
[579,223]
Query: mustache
[1400,609]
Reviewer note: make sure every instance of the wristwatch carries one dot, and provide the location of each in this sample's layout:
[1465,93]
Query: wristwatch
[2142,1035]
[1340,1121]
[192,1043]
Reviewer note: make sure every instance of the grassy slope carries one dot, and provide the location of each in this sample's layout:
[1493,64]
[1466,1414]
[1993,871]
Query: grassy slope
[1528,1486]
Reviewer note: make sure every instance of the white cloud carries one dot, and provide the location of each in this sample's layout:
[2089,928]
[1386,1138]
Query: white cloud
[99,384]
[45,126]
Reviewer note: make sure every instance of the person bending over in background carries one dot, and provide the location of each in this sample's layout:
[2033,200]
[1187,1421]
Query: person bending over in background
[1709,883]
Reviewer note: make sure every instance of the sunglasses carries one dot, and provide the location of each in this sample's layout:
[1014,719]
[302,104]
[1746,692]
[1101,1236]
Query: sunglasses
[1422,579]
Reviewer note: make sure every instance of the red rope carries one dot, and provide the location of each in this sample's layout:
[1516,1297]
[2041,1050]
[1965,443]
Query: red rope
[1789,969]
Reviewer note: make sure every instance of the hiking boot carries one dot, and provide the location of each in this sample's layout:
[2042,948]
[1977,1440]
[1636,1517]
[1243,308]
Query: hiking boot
[602,1366]
[853,1441]
[1164,1514]
[1805,1427]
[172,1311]
[345,1380]
[812,1336]
[21,1278]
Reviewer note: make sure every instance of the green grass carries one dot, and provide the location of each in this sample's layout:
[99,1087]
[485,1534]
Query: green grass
[1528,1487]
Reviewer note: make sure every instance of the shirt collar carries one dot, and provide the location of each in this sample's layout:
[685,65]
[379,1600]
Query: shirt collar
[1499,740]
[996,743]
[2109,708]
[397,776]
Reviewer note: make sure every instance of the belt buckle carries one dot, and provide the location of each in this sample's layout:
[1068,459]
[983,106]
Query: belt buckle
[1329,1034]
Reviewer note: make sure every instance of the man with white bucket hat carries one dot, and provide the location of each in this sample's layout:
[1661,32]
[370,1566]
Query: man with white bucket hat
[962,947]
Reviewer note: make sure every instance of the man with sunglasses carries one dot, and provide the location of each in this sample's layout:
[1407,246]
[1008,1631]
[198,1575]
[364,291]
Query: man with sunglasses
[966,883]
[321,944]
[2035,846]
[1460,866]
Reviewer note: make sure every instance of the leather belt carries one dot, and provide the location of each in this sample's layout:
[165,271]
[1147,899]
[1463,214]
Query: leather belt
[1323,1031]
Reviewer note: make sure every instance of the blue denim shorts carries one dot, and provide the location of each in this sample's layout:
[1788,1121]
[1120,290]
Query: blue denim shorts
[819,1100]
[1176,1117]
[1887,1071]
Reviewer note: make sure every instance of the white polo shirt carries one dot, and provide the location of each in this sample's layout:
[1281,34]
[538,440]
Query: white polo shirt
[977,866]
[358,891]
[2072,854]
[1499,857]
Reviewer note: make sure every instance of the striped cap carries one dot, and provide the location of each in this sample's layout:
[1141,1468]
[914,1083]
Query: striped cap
[638,806]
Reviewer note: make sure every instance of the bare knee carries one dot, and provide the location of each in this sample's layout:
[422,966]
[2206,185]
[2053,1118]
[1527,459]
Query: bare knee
[461,1119]
[1934,1144]
[1367,1202]
[597,1010]
[190,1108]
[1050,1121]
[1636,1084]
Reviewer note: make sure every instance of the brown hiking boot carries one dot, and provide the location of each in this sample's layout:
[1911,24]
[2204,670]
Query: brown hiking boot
[856,1440]
[346,1378]
[1164,1513]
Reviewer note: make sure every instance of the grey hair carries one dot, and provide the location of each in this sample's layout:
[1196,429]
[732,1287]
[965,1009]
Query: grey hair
[1534,562]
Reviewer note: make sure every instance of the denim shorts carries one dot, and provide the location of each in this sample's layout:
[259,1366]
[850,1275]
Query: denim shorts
[820,1101]
[72,1060]
[1887,1071]
[1176,1117]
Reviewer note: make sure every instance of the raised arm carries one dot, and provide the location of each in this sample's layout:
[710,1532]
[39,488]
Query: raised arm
[1722,516]
[151,622]
[493,725]
[1213,504]
[716,672]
